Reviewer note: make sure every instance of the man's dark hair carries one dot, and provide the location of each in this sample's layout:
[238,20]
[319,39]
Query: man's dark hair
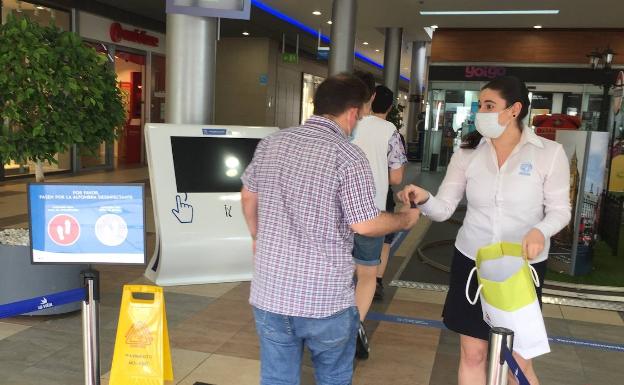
[339,93]
[384,97]
[368,79]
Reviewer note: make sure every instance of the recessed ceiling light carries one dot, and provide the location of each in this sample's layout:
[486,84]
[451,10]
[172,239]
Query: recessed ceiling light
[510,12]
[537,26]
[246,33]
[329,22]
[317,13]
[434,27]
[376,50]
[365,43]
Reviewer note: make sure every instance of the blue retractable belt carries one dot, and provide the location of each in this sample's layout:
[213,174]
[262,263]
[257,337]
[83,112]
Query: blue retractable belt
[42,302]
[514,367]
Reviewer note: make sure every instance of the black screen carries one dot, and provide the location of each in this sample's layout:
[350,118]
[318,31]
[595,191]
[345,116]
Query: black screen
[210,164]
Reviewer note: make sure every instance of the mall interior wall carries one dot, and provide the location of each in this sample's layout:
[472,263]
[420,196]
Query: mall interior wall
[255,87]
[242,82]
[523,46]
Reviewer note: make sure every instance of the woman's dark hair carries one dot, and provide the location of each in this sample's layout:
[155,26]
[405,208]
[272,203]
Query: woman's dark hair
[512,90]
[339,93]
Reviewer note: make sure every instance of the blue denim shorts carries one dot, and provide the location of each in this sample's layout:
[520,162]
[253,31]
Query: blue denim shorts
[367,250]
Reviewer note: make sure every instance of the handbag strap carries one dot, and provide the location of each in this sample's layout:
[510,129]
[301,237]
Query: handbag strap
[476,297]
[534,275]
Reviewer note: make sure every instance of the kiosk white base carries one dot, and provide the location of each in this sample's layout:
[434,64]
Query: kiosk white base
[201,234]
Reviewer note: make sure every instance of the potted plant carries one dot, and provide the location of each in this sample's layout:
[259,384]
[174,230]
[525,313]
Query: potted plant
[395,116]
[54,92]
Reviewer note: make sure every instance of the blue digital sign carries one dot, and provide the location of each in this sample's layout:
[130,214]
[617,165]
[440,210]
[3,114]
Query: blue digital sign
[87,223]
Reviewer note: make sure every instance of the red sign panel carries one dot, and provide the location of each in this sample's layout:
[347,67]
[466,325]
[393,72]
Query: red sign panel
[117,34]
[64,230]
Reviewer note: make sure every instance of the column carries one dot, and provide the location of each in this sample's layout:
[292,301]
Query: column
[392,58]
[417,97]
[342,49]
[191,65]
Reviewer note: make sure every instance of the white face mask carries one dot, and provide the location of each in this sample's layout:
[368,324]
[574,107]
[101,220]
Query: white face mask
[488,126]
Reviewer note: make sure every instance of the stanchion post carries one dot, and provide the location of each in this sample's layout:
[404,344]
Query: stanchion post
[497,367]
[91,326]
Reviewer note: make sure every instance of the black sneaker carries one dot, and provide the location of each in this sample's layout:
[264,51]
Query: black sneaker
[361,345]
[379,291]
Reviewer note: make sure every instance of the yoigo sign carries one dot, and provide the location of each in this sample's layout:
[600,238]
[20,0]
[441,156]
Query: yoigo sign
[486,72]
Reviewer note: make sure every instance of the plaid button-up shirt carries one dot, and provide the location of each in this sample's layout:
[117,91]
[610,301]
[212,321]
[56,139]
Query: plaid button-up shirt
[311,185]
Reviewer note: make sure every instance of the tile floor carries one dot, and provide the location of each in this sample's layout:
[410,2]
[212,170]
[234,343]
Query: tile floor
[213,338]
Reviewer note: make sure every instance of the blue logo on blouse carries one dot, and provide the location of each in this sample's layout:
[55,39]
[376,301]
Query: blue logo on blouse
[526,168]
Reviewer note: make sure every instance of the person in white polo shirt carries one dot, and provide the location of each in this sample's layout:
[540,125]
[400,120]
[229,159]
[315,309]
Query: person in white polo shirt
[381,143]
[517,188]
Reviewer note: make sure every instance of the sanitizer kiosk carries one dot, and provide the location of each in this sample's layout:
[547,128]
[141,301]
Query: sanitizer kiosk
[195,170]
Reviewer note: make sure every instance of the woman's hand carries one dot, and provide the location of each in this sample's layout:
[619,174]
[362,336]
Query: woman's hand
[411,193]
[533,243]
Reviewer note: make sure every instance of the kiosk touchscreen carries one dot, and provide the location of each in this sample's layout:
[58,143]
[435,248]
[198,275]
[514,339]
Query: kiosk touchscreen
[87,223]
[195,170]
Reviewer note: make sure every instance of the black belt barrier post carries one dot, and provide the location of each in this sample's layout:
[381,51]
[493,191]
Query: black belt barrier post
[91,326]
[497,367]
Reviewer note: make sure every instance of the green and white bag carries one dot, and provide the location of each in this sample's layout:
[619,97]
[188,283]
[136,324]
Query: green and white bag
[507,289]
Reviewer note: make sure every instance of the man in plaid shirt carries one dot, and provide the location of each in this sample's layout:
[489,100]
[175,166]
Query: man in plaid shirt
[305,193]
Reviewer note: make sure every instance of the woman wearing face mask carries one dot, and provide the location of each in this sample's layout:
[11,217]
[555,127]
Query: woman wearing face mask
[517,189]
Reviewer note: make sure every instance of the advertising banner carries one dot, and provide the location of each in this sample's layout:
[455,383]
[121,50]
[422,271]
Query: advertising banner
[571,249]
[87,223]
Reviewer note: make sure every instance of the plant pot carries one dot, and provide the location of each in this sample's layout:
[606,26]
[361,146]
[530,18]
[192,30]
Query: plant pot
[19,279]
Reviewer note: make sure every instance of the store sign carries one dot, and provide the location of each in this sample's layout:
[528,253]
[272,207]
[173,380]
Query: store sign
[322,53]
[118,34]
[487,72]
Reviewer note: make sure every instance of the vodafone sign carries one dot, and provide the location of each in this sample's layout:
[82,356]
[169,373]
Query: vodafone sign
[118,34]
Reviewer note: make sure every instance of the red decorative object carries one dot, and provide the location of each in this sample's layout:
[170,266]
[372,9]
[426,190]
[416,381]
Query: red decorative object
[546,126]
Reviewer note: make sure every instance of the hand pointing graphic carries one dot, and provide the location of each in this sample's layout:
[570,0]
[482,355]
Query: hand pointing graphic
[183,211]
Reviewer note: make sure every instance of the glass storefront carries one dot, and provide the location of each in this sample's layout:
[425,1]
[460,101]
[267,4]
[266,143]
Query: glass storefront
[157,113]
[310,84]
[100,157]
[452,106]
[37,13]
[130,67]
[43,16]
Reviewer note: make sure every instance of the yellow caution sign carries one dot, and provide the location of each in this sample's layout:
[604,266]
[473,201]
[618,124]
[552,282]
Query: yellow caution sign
[142,354]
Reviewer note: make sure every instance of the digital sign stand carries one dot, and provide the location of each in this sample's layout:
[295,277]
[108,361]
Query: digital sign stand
[87,223]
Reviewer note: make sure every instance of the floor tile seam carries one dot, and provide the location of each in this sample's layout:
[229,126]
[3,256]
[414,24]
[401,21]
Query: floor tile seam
[196,367]
[386,306]
[35,364]
[190,295]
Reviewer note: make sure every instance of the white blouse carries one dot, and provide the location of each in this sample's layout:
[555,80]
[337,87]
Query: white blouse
[530,190]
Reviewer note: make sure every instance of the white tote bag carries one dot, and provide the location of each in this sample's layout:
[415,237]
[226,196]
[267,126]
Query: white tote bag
[508,298]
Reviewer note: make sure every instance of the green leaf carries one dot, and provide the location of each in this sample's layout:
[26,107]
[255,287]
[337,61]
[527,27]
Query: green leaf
[55,90]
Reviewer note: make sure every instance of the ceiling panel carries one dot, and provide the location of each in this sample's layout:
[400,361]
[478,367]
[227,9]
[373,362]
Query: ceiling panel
[374,15]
